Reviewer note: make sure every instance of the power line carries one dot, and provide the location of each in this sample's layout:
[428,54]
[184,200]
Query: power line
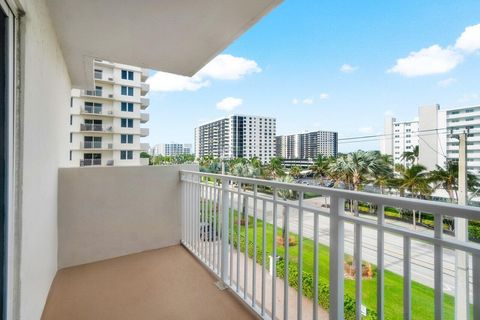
[390,134]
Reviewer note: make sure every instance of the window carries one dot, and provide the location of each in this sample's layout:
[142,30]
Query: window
[71,137]
[127,91]
[91,107]
[127,75]
[127,106]
[126,138]
[126,155]
[126,123]
[98,74]
[71,119]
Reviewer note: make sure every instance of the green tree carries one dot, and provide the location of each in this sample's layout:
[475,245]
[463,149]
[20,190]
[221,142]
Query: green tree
[320,167]
[416,180]
[447,178]
[295,172]
[411,156]
[275,168]
[249,171]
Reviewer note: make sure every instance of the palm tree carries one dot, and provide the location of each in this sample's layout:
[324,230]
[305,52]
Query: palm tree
[244,170]
[411,156]
[415,179]
[447,178]
[285,194]
[295,172]
[320,166]
[275,168]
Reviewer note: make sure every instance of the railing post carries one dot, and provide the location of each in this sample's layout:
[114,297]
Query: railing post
[225,233]
[337,208]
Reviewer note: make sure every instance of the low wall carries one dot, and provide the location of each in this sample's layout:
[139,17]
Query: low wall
[109,212]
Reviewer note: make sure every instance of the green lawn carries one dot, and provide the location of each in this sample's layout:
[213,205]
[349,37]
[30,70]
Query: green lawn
[422,296]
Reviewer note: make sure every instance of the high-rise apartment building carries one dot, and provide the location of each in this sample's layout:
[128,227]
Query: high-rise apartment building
[459,120]
[237,136]
[172,149]
[400,136]
[105,123]
[307,145]
[436,133]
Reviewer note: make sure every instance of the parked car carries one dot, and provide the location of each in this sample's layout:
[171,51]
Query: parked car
[208,232]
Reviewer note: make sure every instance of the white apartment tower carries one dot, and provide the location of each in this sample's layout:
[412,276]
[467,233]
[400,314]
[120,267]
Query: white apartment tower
[399,137]
[105,123]
[172,149]
[237,136]
[307,145]
[459,120]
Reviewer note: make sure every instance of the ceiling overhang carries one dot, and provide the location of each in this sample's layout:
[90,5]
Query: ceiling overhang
[177,36]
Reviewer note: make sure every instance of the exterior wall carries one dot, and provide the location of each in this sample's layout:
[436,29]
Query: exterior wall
[108,76]
[172,149]
[43,142]
[308,145]
[237,136]
[428,138]
[405,138]
[109,212]
[459,120]
[386,144]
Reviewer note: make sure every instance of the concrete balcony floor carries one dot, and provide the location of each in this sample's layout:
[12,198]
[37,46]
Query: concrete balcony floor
[167,283]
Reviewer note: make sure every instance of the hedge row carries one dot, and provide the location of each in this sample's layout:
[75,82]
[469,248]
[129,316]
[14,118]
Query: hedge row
[307,281]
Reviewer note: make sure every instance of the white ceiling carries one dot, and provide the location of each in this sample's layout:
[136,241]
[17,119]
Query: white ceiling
[177,36]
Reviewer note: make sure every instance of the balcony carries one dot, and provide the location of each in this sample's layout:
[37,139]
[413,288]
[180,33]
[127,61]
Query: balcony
[97,111]
[95,127]
[144,132]
[150,274]
[144,75]
[145,88]
[97,94]
[145,102]
[144,117]
[98,145]
[95,163]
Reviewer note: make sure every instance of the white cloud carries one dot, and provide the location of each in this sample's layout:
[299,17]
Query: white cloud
[308,101]
[347,68]
[324,96]
[365,130]
[222,67]
[431,60]
[229,104]
[228,67]
[469,40]
[446,82]
[169,82]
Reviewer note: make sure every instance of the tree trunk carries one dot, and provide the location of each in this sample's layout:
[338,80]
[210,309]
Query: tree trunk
[284,225]
[244,207]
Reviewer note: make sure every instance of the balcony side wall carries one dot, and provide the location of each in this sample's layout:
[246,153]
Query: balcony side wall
[109,212]
[41,148]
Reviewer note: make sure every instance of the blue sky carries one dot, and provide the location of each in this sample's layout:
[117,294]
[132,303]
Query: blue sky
[289,66]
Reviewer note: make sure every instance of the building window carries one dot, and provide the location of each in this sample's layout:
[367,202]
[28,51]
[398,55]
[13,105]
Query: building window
[126,155]
[127,106]
[98,74]
[70,155]
[127,91]
[126,138]
[127,75]
[126,123]
[71,137]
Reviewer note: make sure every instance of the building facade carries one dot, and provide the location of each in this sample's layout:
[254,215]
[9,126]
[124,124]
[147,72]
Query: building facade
[106,123]
[172,149]
[459,120]
[307,145]
[237,136]
[436,134]
[399,138]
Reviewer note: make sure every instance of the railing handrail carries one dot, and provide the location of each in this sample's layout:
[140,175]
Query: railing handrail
[433,207]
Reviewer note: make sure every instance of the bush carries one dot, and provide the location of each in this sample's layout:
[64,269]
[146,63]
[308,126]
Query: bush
[307,281]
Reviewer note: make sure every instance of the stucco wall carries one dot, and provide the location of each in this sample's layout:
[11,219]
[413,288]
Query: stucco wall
[110,212]
[43,141]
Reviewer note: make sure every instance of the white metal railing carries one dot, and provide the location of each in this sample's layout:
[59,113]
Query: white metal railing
[211,230]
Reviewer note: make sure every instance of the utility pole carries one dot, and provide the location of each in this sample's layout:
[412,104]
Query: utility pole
[462,292]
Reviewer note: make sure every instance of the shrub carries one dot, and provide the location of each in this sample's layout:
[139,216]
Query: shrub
[308,286]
